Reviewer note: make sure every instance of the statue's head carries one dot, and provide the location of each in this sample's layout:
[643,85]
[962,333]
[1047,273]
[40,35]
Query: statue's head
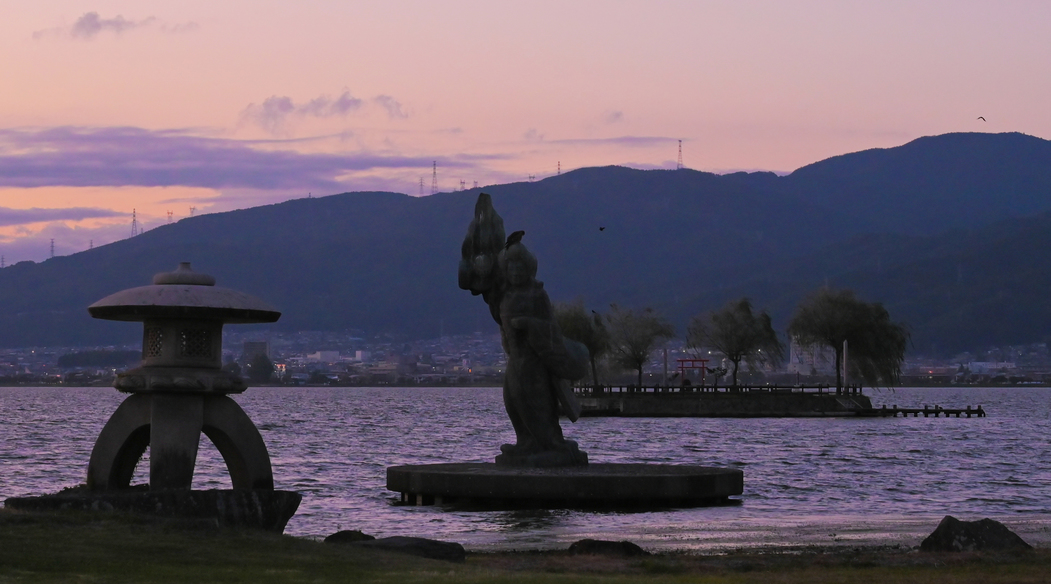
[517,264]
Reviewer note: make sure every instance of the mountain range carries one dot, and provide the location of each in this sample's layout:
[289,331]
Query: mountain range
[949,232]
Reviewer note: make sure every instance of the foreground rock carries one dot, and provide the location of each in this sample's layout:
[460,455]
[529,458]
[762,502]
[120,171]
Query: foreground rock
[606,548]
[953,535]
[418,546]
[255,509]
[348,536]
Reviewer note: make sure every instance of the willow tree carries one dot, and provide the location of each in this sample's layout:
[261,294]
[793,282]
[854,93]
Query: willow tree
[738,333]
[587,329]
[875,345]
[634,334]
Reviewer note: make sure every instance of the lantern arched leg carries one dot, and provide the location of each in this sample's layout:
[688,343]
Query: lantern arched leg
[239,442]
[120,445]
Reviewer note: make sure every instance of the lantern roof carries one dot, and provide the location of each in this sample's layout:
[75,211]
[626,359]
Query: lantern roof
[184,293]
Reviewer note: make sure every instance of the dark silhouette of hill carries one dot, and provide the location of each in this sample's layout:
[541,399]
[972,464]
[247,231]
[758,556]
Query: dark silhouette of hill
[933,183]
[959,290]
[681,241]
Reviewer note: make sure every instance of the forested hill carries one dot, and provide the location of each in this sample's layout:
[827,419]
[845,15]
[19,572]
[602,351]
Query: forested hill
[680,241]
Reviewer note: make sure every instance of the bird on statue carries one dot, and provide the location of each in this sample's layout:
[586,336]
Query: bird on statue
[514,238]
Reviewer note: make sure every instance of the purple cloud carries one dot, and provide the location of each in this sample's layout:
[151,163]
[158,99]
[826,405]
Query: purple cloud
[641,141]
[275,110]
[118,156]
[10,217]
[91,24]
[393,106]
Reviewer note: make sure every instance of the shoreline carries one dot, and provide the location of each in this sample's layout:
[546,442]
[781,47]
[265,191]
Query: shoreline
[760,535]
[68,546]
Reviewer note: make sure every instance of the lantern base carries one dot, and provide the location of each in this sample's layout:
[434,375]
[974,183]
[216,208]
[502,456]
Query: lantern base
[255,509]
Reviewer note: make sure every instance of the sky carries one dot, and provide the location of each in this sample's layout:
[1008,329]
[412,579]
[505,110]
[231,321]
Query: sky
[170,109]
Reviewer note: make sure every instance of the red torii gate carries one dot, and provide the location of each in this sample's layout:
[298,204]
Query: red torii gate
[690,364]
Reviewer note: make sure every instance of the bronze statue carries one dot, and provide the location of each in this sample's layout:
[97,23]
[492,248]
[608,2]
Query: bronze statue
[541,364]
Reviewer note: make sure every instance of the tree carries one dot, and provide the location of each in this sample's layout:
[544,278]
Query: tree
[260,369]
[875,345]
[587,329]
[739,334]
[634,335]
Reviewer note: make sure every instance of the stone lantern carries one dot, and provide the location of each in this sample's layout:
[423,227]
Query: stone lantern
[180,390]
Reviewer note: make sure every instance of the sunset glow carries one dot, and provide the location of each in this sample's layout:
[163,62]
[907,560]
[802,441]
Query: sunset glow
[160,106]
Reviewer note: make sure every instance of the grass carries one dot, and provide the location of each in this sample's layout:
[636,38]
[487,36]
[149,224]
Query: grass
[89,548]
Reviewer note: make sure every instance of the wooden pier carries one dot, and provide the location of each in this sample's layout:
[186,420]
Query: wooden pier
[927,411]
[748,402]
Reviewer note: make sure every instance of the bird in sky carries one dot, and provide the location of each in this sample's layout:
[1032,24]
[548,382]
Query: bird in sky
[601,228]
[981,118]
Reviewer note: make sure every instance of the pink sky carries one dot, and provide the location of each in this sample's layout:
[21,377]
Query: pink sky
[163,106]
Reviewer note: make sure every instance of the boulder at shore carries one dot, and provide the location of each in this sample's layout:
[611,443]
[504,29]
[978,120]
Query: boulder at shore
[606,548]
[953,535]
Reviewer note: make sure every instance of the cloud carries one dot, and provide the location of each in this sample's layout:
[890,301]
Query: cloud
[91,24]
[275,110]
[393,106]
[614,117]
[636,141]
[10,217]
[127,156]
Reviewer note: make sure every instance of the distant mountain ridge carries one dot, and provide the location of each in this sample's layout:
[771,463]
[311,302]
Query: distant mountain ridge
[681,241]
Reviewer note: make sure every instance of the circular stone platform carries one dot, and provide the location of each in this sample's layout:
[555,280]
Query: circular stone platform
[486,484]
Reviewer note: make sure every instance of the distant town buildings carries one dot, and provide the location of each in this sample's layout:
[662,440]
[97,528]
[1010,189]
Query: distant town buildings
[330,358]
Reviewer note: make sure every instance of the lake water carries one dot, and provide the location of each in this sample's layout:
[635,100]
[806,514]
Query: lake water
[830,481]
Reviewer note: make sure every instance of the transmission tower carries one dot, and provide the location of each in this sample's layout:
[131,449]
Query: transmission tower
[169,216]
[476,184]
[91,244]
[421,186]
[434,178]
[52,248]
[134,224]
[679,165]
[559,167]
[192,210]
[463,185]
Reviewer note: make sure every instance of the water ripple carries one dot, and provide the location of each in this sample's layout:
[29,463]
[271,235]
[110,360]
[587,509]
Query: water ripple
[334,445]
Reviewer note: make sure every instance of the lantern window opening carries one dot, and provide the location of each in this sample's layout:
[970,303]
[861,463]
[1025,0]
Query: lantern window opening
[154,344]
[195,343]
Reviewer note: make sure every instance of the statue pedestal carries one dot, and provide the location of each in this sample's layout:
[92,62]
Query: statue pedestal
[489,485]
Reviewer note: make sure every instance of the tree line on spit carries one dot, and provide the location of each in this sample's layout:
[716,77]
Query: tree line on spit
[835,319]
